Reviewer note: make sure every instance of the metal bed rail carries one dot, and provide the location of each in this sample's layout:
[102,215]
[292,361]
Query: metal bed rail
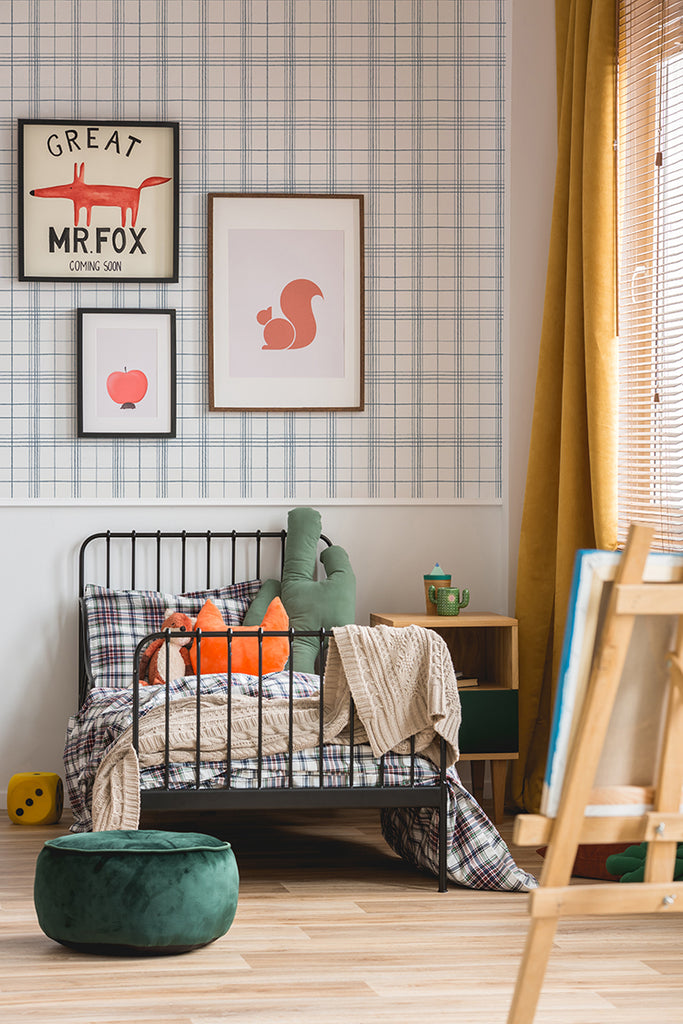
[289,796]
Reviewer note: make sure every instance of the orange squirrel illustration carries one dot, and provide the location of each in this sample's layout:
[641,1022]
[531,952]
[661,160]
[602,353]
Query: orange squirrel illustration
[84,196]
[299,328]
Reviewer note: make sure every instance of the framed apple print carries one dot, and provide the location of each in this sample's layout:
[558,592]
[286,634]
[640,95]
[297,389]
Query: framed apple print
[126,373]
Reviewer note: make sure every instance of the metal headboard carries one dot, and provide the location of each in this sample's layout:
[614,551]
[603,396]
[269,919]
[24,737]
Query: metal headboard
[187,559]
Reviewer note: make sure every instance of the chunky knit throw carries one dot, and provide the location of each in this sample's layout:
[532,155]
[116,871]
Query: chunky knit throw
[402,683]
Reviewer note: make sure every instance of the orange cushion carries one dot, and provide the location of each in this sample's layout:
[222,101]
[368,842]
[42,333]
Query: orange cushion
[244,649]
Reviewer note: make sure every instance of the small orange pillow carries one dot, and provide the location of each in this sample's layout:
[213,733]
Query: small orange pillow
[244,649]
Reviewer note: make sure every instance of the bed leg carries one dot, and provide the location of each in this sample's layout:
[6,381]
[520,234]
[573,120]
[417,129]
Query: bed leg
[443,845]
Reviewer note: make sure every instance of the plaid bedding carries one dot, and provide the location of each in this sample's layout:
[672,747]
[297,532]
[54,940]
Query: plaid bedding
[477,856]
[116,621]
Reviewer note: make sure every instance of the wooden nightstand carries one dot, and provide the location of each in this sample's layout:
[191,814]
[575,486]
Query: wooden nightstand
[483,646]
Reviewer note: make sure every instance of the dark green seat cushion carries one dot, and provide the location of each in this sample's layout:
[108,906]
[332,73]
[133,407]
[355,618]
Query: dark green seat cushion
[136,891]
[310,604]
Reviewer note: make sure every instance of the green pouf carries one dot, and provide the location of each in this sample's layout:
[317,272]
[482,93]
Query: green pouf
[136,892]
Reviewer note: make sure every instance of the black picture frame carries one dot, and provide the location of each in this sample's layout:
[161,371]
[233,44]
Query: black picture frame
[122,175]
[112,393]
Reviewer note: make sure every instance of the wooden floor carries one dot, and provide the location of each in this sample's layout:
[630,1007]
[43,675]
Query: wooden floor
[332,928]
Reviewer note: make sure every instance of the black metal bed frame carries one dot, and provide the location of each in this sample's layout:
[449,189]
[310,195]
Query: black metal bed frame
[259,797]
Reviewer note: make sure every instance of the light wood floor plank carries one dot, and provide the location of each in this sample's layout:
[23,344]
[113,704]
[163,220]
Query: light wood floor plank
[333,928]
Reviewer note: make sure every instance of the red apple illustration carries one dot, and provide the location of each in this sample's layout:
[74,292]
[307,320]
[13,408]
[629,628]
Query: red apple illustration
[127,388]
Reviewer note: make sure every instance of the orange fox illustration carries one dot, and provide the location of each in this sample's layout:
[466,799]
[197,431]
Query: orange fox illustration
[85,196]
[299,328]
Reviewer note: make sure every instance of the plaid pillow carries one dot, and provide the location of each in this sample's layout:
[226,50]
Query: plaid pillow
[116,621]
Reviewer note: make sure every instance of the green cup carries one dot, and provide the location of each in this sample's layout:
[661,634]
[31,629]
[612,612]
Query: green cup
[449,600]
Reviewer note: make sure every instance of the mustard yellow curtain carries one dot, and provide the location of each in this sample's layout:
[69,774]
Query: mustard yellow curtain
[570,496]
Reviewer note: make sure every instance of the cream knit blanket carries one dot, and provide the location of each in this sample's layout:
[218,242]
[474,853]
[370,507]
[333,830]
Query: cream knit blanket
[402,683]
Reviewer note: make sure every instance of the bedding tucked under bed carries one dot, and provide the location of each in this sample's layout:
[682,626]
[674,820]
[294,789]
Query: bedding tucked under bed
[477,856]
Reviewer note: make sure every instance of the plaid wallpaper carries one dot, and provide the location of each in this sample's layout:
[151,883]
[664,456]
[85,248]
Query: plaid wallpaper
[401,100]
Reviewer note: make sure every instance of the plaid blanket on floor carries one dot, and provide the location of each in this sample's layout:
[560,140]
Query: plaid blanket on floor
[478,858]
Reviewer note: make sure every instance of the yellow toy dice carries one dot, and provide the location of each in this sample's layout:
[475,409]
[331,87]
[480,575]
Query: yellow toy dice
[35,798]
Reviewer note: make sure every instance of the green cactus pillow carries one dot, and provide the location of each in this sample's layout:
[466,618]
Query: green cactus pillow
[310,604]
[631,863]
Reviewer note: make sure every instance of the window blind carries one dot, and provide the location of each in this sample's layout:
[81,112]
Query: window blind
[650,280]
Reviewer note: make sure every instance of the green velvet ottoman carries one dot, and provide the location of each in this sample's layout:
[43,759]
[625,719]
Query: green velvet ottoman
[136,892]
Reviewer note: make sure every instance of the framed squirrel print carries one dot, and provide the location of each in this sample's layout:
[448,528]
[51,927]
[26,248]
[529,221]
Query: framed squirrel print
[98,200]
[285,302]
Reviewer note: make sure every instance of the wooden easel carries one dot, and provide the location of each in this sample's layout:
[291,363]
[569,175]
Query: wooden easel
[661,828]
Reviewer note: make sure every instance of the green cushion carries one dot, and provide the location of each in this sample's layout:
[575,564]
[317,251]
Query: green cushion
[142,892]
[310,604]
[489,721]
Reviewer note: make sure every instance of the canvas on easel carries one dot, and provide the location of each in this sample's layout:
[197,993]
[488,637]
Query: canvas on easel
[615,763]
[631,745]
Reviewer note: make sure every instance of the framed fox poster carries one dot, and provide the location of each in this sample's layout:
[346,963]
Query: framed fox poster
[98,200]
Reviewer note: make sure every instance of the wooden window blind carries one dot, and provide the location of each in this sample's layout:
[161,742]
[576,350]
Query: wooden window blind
[650,280]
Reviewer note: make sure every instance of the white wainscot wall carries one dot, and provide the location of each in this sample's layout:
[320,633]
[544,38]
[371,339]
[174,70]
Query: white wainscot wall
[390,547]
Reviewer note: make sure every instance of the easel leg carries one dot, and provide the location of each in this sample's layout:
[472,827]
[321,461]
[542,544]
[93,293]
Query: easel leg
[539,943]
[661,855]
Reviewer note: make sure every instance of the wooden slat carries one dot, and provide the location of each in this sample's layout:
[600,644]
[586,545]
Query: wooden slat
[610,899]
[535,829]
[649,599]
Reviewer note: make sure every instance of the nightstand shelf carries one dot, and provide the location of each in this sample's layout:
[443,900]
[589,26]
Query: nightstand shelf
[482,646]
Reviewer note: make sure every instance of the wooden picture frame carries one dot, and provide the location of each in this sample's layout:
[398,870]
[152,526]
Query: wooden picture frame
[98,200]
[126,373]
[286,302]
